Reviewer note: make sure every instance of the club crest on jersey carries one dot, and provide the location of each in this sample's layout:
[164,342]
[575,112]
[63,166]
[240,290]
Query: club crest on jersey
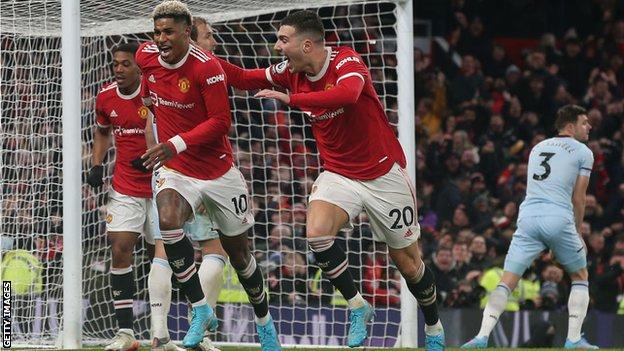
[184,84]
[109,218]
[160,182]
[143,112]
[328,86]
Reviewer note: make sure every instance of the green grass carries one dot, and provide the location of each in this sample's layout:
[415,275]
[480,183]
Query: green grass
[230,348]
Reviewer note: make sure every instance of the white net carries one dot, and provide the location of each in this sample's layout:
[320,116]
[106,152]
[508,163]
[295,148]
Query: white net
[274,149]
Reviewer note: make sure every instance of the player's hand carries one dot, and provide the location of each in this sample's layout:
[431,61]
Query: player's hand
[95,176]
[157,155]
[137,164]
[273,94]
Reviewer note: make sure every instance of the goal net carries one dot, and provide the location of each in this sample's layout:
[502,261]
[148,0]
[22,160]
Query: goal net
[274,149]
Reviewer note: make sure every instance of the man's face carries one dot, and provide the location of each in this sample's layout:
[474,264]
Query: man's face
[205,37]
[172,39]
[126,71]
[289,44]
[582,128]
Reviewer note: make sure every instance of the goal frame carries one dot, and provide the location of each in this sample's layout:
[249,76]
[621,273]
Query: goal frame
[72,226]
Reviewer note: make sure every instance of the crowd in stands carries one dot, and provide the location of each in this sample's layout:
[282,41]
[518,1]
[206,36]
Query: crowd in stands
[476,122]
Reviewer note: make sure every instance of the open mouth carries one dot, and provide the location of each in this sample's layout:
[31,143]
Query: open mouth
[120,79]
[165,51]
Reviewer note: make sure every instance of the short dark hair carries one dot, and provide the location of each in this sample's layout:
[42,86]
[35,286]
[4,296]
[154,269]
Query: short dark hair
[568,114]
[129,47]
[306,21]
[197,21]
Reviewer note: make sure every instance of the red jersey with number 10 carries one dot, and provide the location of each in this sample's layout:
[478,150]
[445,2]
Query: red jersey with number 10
[190,99]
[126,115]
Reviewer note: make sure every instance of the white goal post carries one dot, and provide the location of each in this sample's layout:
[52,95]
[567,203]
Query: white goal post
[55,55]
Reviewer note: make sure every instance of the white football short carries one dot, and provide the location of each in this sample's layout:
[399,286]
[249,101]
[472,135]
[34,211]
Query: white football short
[389,201]
[133,214]
[225,199]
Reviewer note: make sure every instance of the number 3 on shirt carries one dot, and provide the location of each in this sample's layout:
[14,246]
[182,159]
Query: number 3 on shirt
[547,156]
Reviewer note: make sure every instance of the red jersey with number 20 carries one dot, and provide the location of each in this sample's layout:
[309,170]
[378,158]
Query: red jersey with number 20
[354,140]
[126,115]
[190,99]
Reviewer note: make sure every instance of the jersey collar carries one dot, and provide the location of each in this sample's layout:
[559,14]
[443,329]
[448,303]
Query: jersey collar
[177,65]
[131,96]
[320,75]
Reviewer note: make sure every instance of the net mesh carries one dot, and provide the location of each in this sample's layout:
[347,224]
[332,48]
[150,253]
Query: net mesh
[274,148]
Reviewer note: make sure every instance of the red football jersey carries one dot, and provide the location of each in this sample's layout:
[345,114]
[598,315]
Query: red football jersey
[126,114]
[354,138]
[190,101]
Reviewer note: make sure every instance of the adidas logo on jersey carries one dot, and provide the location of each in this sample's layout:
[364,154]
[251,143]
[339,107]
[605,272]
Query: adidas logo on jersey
[151,78]
[113,114]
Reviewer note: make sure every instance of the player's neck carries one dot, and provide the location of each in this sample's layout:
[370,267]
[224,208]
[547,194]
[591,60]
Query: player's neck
[317,61]
[131,88]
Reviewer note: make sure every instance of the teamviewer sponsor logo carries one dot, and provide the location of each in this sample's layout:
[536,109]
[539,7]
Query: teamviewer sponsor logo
[6,314]
[215,79]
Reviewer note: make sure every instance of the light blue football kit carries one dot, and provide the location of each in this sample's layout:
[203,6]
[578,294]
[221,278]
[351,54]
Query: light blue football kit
[546,218]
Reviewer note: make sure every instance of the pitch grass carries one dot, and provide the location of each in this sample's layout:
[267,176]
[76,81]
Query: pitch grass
[231,348]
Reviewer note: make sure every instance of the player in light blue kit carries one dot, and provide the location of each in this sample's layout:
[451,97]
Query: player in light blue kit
[550,217]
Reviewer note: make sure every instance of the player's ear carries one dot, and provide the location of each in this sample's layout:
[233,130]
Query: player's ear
[307,46]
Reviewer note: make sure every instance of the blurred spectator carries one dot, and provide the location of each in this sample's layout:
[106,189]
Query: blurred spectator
[609,283]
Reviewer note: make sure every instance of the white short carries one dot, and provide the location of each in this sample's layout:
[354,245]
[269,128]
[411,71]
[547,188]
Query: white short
[225,199]
[130,214]
[198,229]
[389,201]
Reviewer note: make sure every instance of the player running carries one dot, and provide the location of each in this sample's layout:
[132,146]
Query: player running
[550,217]
[363,161]
[192,115]
[119,107]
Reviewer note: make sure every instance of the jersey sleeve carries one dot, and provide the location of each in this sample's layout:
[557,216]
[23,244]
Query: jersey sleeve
[278,74]
[246,79]
[101,118]
[350,64]
[143,51]
[586,162]
[351,73]
[212,83]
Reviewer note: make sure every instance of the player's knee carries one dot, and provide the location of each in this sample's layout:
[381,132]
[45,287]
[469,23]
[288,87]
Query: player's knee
[169,220]
[121,252]
[411,270]
[581,274]
[316,229]
[240,260]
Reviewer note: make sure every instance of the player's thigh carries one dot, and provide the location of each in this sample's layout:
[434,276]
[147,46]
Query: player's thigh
[564,241]
[526,244]
[177,197]
[408,260]
[390,202]
[201,228]
[212,246]
[125,213]
[227,203]
[333,203]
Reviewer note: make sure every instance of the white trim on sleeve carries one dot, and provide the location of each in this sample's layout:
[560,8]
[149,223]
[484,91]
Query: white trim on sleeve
[352,74]
[178,143]
[268,75]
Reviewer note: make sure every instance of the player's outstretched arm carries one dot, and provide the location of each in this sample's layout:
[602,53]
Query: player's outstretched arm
[245,79]
[347,92]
